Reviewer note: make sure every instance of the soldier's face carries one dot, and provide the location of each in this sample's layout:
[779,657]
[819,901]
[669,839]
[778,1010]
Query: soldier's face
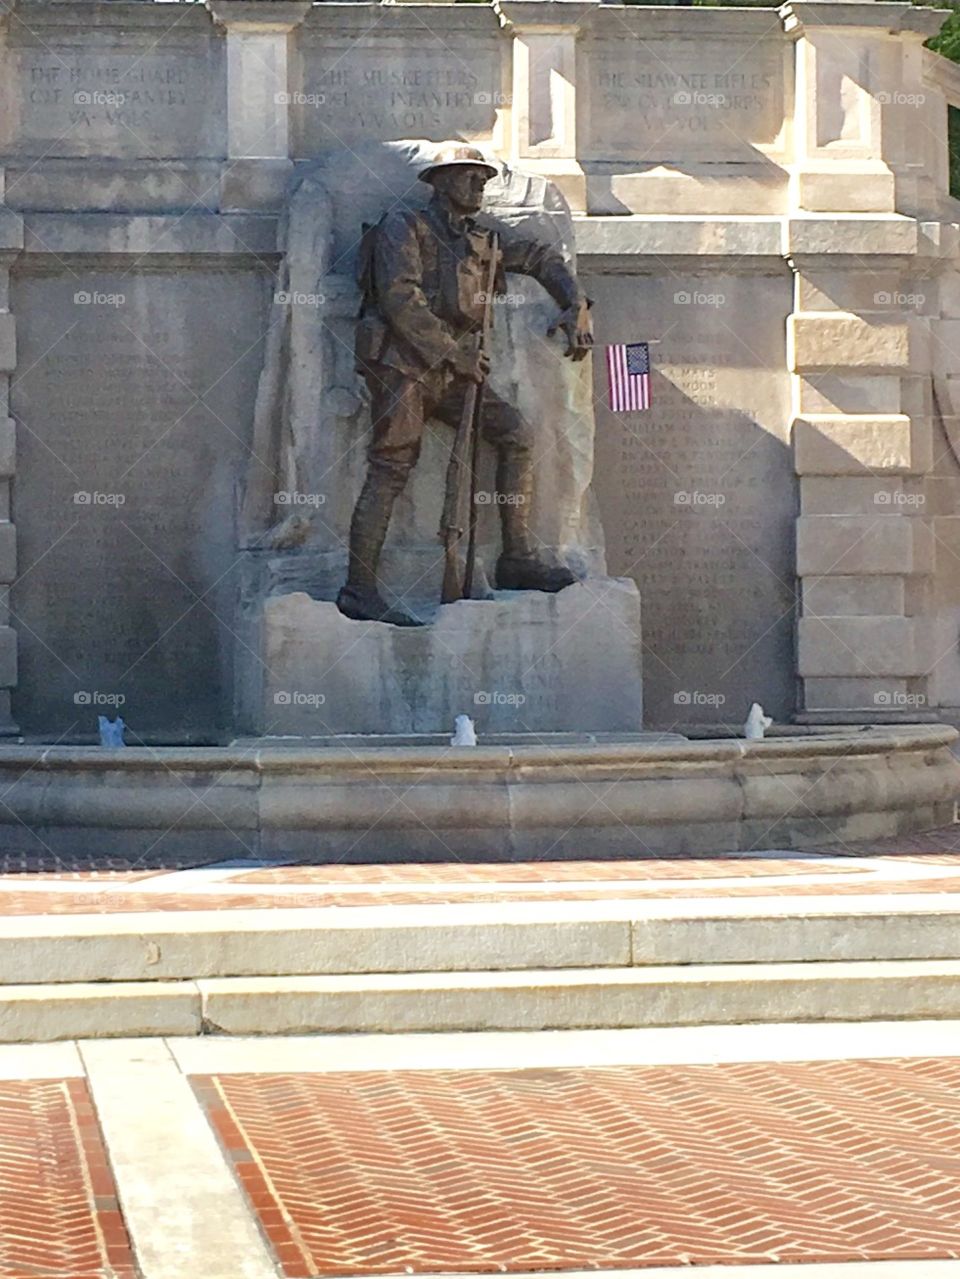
[463,185]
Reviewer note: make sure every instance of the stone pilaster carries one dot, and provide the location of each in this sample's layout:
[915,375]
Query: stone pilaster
[858,348]
[543,105]
[859,104]
[259,97]
[11,242]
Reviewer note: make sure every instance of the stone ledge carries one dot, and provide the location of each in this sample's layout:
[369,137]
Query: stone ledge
[145,235]
[489,803]
[164,946]
[259,942]
[266,15]
[661,995]
[678,236]
[99,184]
[545,15]
[862,234]
[682,995]
[81,1011]
[241,765]
[356,19]
[801,16]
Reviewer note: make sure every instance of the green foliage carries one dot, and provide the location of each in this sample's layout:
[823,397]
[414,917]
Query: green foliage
[947,41]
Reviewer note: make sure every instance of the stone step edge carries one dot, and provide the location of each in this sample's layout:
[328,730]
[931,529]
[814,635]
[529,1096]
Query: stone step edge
[530,1000]
[101,950]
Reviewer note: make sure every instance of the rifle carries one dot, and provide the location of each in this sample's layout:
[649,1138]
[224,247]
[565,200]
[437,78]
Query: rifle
[462,468]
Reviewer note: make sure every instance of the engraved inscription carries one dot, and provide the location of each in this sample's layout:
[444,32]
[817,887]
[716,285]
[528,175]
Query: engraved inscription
[132,425]
[650,103]
[127,103]
[367,93]
[698,502]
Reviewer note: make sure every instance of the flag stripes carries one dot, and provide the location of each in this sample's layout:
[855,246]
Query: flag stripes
[628,376]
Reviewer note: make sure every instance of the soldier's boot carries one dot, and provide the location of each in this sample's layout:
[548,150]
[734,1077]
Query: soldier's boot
[520,567]
[360,597]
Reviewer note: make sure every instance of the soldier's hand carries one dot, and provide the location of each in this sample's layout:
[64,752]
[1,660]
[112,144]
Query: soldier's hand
[474,365]
[577,328]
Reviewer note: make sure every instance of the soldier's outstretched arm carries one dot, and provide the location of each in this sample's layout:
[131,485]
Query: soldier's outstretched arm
[399,279]
[547,266]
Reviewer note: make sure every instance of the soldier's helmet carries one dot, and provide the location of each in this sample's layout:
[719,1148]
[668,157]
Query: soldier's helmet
[449,154]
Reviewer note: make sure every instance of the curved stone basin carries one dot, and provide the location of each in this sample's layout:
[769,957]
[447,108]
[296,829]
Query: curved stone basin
[492,802]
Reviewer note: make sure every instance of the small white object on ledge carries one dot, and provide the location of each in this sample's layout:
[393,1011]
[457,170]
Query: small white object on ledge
[757,723]
[465,733]
[111,731]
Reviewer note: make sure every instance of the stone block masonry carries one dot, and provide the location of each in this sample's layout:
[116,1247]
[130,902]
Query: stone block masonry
[776,222]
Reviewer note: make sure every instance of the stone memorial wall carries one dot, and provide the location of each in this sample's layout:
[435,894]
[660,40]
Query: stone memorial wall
[759,193]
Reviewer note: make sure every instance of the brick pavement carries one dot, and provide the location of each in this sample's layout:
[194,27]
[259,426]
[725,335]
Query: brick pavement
[602,1167]
[59,1217]
[45,862]
[416,884]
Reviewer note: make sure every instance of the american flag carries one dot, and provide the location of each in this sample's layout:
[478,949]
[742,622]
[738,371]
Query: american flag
[628,372]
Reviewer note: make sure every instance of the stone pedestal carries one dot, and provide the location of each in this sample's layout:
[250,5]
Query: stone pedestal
[522,662]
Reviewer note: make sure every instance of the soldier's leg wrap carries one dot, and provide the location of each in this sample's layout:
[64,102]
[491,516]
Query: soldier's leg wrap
[520,567]
[512,437]
[397,413]
[371,519]
[515,484]
[397,428]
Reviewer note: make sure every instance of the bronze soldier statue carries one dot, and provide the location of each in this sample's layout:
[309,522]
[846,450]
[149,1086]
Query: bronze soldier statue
[422,276]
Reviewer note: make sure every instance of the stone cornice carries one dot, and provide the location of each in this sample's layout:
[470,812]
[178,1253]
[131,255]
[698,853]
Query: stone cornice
[800,16]
[545,15]
[264,15]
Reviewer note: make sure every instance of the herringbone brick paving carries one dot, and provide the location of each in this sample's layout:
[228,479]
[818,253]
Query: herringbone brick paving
[605,1167]
[39,860]
[35,903]
[59,1216]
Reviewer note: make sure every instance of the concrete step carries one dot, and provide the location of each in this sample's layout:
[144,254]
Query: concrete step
[537,999]
[164,946]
